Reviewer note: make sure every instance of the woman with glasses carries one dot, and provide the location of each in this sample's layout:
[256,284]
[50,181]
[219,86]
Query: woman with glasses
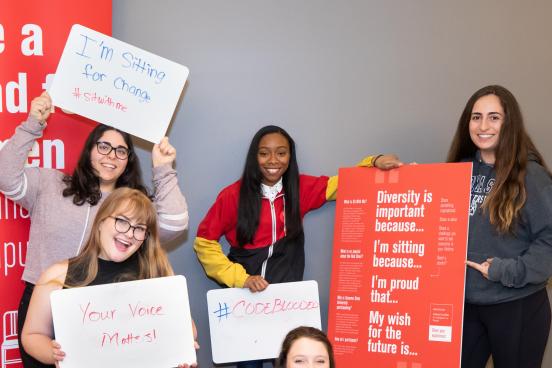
[63,207]
[123,245]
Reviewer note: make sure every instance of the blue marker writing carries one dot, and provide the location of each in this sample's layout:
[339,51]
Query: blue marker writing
[222,311]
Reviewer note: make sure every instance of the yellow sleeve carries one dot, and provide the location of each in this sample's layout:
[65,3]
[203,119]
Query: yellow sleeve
[368,161]
[331,189]
[217,265]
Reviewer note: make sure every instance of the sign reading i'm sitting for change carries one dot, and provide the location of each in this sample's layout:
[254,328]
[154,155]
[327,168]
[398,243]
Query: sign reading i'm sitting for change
[247,326]
[117,84]
[140,324]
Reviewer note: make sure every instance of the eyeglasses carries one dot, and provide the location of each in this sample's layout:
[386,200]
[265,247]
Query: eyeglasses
[104,148]
[139,233]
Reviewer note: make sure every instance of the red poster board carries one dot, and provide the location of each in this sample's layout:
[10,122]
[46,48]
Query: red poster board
[32,37]
[397,289]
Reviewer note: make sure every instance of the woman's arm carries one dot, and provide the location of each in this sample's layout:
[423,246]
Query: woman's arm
[382,162]
[534,264]
[38,331]
[220,220]
[17,183]
[217,265]
[169,201]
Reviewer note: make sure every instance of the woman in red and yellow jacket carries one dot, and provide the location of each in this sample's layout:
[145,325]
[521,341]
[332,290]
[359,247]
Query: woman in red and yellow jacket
[261,215]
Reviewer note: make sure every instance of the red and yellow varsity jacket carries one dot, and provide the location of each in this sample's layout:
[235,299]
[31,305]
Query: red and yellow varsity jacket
[268,255]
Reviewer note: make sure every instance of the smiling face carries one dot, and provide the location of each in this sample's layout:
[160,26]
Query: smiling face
[108,167]
[117,246]
[273,157]
[486,121]
[306,352]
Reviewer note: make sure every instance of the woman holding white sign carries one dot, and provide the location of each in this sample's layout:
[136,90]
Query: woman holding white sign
[123,245]
[507,312]
[261,216]
[63,207]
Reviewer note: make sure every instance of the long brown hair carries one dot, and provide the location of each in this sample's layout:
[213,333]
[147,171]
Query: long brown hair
[307,332]
[514,149]
[152,260]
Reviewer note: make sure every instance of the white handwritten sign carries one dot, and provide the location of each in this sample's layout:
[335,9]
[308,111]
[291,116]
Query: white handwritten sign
[117,84]
[247,326]
[140,324]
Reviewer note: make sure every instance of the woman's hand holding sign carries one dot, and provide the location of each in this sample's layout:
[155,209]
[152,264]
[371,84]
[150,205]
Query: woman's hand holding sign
[163,153]
[57,353]
[255,283]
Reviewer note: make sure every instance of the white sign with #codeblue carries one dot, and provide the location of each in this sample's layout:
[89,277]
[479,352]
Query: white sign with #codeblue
[117,84]
[248,326]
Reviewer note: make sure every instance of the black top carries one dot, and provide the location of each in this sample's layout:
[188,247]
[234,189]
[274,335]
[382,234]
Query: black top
[108,271]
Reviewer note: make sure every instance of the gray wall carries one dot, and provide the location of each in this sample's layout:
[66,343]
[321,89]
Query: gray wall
[345,78]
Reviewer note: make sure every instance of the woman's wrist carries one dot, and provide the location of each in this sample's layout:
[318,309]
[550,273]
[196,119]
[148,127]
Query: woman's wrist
[375,158]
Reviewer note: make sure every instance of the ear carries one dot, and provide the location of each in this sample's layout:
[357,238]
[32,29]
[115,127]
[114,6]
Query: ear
[100,224]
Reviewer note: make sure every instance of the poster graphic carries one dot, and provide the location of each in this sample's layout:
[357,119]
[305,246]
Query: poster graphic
[397,290]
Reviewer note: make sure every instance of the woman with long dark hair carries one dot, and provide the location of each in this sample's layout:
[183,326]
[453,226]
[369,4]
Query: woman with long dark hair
[261,216]
[507,312]
[63,207]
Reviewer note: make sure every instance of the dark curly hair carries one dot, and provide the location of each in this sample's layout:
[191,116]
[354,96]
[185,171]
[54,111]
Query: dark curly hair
[84,184]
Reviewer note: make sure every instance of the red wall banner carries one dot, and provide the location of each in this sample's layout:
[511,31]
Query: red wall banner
[397,288]
[32,38]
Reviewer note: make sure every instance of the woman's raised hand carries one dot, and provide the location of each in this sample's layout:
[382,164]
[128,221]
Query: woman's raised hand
[163,153]
[41,107]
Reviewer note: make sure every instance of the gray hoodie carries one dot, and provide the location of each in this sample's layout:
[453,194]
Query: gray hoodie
[522,261]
